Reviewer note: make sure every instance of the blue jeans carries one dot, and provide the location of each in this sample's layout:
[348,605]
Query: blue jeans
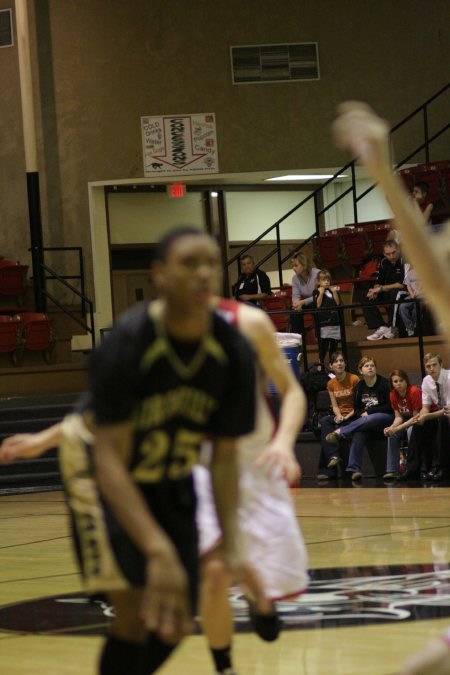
[329,450]
[393,448]
[408,313]
[359,431]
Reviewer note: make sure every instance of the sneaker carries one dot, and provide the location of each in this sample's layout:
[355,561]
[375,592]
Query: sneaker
[390,333]
[410,332]
[227,671]
[334,461]
[323,476]
[379,334]
[266,626]
[333,437]
[356,475]
[391,475]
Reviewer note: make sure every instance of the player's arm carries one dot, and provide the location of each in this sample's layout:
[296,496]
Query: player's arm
[361,131]
[224,478]
[25,446]
[166,607]
[259,331]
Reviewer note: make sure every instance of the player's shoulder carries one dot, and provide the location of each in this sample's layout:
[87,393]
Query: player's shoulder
[134,328]
[223,327]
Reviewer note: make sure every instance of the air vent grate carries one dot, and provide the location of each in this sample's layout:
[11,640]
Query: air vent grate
[6,36]
[275,63]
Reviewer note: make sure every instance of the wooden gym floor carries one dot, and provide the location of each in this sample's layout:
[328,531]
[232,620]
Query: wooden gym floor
[380,588]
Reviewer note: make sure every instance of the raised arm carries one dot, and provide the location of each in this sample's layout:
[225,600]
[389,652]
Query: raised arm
[258,329]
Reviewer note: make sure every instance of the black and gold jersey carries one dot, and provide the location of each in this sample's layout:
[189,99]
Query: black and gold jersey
[173,392]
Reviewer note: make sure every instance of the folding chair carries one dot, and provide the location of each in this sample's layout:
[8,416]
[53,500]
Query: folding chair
[10,334]
[37,335]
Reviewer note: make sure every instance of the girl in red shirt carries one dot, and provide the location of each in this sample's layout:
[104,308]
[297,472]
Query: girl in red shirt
[406,402]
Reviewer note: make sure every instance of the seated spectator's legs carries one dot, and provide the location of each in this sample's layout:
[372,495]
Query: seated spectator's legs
[408,313]
[373,315]
[391,309]
[396,320]
[357,446]
[421,447]
[370,424]
[374,422]
[443,445]
[393,450]
[329,450]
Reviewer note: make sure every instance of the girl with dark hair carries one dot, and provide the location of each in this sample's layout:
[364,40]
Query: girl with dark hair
[406,402]
[341,389]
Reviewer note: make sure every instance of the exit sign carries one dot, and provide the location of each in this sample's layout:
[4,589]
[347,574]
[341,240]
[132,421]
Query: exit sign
[175,190]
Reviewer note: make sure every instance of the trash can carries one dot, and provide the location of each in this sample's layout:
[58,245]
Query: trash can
[290,344]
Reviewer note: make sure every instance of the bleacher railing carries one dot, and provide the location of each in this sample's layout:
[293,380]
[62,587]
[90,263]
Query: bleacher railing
[87,307]
[318,194]
[343,341]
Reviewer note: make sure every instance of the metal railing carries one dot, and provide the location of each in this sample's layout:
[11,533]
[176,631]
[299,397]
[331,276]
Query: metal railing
[317,195]
[87,306]
[341,309]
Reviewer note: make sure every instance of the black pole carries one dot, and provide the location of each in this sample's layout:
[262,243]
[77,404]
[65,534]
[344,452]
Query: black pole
[37,255]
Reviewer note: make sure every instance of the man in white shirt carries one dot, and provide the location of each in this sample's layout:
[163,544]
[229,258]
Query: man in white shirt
[433,421]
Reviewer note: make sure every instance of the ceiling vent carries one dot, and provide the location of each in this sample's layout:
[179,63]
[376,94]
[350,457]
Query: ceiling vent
[6,35]
[275,63]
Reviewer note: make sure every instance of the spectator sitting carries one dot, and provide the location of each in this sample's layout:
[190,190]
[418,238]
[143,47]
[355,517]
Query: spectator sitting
[406,402]
[326,297]
[341,390]
[253,284]
[408,310]
[420,194]
[304,283]
[430,438]
[373,413]
[390,275]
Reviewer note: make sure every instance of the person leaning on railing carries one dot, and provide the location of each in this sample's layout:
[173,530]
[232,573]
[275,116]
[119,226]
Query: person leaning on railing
[304,282]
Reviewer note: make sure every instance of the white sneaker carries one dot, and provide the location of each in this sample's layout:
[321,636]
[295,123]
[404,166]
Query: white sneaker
[410,332]
[379,334]
[390,333]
